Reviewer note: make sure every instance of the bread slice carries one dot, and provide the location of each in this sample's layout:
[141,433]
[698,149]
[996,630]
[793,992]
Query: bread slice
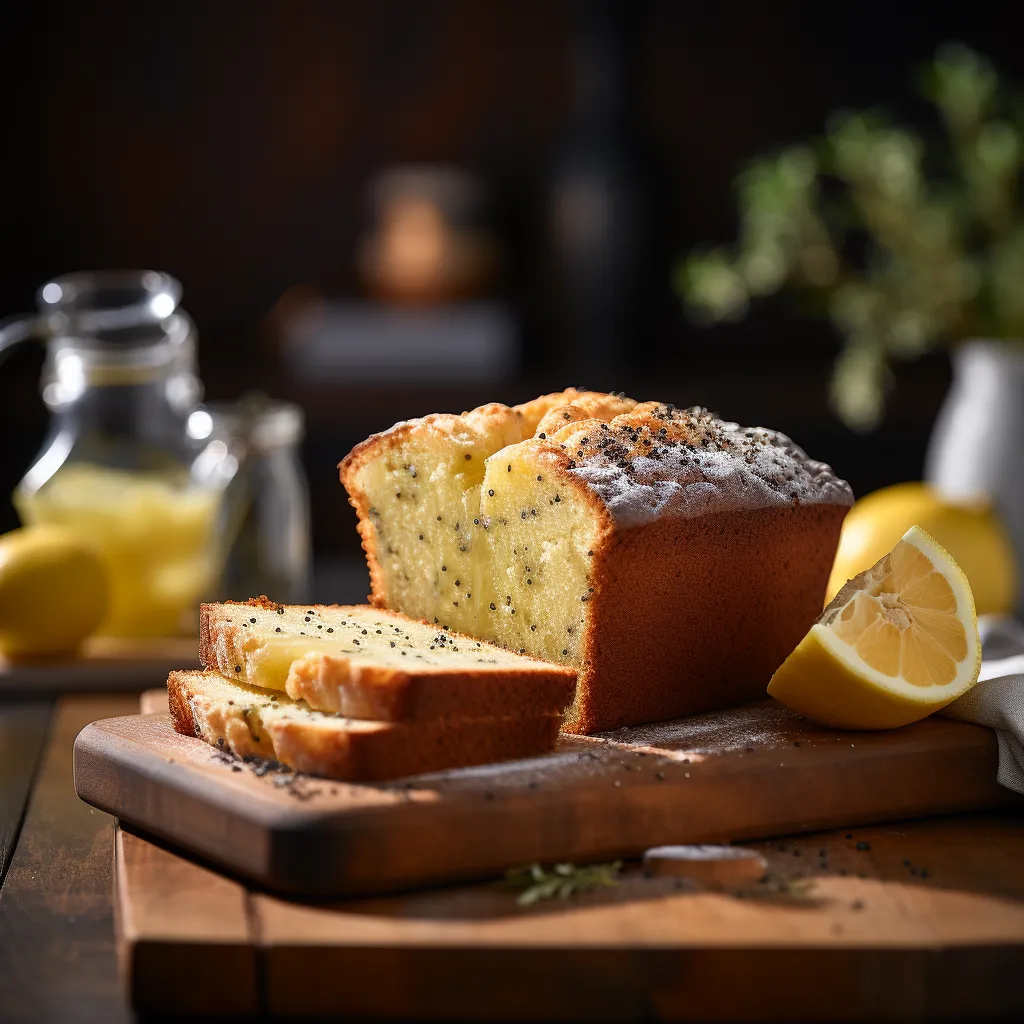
[366,663]
[674,559]
[247,721]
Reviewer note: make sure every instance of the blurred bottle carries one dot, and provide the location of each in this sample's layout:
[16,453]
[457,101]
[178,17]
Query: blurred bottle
[428,243]
[427,264]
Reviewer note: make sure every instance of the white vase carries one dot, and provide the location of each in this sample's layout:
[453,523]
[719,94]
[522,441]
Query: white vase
[977,445]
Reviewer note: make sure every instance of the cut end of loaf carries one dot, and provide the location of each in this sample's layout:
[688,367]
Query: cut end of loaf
[469,527]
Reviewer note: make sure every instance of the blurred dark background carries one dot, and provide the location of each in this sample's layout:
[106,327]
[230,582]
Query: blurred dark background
[251,149]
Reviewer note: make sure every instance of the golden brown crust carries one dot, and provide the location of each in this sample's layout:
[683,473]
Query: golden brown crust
[177,701]
[580,408]
[674,636]
[397,751]
[349,469]
[383,695]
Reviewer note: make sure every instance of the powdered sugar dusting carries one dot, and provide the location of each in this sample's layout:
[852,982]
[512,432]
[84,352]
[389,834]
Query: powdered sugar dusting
[552,763]
[662,460]
[759,725]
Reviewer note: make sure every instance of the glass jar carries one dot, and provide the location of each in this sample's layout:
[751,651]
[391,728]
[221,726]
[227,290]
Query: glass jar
[118,465]
[266,530]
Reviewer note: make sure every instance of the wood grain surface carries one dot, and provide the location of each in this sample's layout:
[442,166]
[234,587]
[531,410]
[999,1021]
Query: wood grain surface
[22,736]
[178,920]
[903,921]
[103,664]
[748,772]
[922,919]
[57,955]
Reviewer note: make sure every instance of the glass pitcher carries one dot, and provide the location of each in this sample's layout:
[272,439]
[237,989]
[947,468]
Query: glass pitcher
[118,465]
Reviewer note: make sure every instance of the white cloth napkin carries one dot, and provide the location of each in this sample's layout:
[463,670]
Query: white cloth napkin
[998,698]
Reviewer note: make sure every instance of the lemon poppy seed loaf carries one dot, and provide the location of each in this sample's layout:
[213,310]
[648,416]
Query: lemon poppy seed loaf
[674,559]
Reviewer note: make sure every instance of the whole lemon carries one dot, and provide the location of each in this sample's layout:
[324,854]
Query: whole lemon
[972,533]
[54,591]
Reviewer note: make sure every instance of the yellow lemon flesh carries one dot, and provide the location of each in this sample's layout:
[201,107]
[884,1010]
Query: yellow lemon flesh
[972,533]
[898,642]
[53,592]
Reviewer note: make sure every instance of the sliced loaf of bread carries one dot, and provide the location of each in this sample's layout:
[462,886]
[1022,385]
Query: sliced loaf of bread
[245,720]
[369,663]
[671,557]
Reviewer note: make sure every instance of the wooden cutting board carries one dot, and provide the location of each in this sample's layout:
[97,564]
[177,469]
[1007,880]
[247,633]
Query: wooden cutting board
[899,922]
[754,771]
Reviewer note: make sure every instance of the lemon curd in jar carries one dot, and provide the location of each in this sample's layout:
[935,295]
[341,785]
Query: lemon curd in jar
[153,531]
[119,466]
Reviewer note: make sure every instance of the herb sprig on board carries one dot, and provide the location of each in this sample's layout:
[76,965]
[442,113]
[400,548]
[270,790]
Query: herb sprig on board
[560,881]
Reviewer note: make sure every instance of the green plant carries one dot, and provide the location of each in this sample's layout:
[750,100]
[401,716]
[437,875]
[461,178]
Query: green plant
[906,249]
[563,880]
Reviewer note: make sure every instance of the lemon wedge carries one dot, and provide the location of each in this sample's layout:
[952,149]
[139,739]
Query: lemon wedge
[898,642]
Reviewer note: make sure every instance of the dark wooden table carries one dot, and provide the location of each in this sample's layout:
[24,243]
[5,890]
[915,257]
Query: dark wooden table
[58,957]
[57,953]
